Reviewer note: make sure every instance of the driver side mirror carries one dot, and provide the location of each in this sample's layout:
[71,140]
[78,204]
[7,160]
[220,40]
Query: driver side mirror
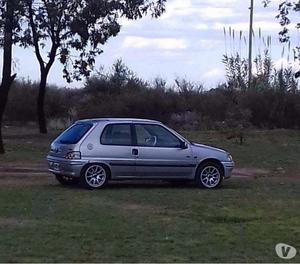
[183,145]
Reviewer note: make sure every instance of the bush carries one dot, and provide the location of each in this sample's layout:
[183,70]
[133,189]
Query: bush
[185,105]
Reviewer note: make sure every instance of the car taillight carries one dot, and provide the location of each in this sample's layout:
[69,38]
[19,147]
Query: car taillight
[73,155]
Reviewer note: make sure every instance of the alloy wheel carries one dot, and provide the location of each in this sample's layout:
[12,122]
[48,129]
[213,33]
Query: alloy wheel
[95,176]
[210,176]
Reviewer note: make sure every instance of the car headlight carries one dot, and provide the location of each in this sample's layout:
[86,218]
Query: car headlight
[229,157]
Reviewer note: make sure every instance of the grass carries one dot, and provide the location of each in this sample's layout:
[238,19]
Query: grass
[156,222]
[149,223]
[271,149]
[25,145]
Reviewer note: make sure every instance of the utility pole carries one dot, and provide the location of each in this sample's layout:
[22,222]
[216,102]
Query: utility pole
[250,43]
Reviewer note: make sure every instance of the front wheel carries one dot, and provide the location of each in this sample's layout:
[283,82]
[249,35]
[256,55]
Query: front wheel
[209,175]
[94,176]
[65,180]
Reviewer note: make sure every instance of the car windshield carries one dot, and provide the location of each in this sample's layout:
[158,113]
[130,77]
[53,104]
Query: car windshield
[74,134]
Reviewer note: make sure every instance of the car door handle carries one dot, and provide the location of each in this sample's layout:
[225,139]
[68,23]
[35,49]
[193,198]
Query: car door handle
[135,152]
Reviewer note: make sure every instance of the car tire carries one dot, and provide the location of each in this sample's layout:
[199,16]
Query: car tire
[65,180]
[94,176]
[209,175]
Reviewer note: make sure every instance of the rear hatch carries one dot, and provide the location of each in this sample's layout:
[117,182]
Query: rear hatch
[68,141]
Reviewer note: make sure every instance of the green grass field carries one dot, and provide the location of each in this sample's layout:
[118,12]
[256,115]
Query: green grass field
[41,221]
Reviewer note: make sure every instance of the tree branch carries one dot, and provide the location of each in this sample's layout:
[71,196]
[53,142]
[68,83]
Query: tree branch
[35,36]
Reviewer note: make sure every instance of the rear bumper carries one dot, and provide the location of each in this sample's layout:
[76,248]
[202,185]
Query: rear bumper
[60,166]
[228,167]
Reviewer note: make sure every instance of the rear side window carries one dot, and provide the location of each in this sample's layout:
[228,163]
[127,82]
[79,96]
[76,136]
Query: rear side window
[117,134]
[74,134]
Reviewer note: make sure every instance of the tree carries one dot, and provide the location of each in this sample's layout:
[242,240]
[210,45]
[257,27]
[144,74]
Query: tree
[284,13]
[285,9]
[9,27]
[74,31]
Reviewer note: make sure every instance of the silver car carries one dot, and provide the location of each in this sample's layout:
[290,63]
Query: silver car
[95,151]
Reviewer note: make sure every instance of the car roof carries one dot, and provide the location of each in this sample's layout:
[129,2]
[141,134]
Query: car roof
[121,120]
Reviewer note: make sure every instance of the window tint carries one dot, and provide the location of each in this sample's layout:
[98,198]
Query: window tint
[74,134]
[155,136]
[116,135]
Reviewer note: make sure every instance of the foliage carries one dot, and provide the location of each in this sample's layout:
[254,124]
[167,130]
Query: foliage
[284,16]
[77,29]
[16,21]
[120,92]
[236,71]
[74,32]
[269,99]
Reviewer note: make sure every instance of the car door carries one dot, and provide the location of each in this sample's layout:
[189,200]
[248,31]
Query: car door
[159,153]
[116,149]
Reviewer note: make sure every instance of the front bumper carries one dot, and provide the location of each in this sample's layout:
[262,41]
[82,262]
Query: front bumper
[61,166]
[228,167]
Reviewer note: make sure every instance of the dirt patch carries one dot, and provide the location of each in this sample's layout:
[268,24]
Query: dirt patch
[258,173]
[37,174]
[129,207]
[25,174]
[163,213]
[250,172]
[141,207]
[26,179]
[23,168]
[11,221]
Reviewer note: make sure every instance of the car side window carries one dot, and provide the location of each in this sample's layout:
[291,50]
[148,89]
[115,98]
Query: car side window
[155,136]
[117,134]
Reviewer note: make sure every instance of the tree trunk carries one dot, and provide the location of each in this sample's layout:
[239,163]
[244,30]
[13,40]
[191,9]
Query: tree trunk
[7,79]
[44,69]
[41,103]
[4,89]
[2,150]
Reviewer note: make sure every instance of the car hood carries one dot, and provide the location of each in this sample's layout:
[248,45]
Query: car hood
[204,151]
[209,148]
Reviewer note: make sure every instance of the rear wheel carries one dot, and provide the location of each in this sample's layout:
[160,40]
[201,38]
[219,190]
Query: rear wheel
[66,180]
[209,175]
[94,176]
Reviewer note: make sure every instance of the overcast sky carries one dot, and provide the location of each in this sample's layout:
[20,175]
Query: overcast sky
[187,41]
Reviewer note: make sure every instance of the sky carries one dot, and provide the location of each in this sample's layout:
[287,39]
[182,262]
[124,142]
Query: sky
[185,42]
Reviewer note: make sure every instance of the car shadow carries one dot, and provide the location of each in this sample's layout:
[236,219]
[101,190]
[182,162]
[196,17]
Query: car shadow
[158,184]
[146,184]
